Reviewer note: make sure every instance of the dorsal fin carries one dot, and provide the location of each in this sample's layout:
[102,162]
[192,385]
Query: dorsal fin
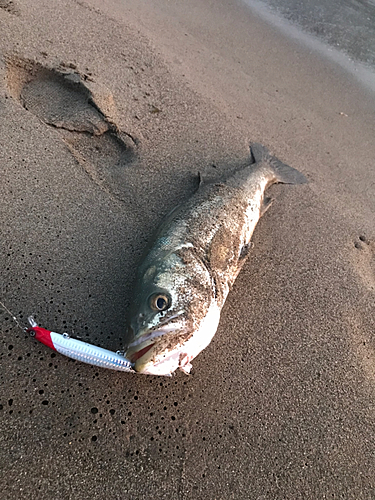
[200,178]
[259,152]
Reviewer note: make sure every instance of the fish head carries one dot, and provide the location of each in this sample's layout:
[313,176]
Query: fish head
[174,313]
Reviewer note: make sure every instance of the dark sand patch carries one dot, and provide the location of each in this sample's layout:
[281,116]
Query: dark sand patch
[10,6]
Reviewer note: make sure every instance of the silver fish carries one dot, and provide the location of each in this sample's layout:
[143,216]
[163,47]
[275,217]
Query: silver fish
[200,249]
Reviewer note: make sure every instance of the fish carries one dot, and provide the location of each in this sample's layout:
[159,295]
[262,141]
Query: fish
[197,254]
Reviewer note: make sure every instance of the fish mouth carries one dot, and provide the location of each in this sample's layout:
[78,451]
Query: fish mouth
[146,356]
[142,345]
[146,337]
[156,332]
[133,357]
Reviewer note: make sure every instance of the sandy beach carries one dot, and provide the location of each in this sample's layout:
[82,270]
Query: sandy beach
[109,110]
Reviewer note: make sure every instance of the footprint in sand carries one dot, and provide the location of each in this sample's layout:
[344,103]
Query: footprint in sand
[365,260]
[83,113]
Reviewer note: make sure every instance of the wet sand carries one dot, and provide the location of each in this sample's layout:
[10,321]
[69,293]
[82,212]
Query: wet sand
[108,111]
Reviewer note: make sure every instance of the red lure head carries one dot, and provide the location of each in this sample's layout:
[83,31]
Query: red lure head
[43,335]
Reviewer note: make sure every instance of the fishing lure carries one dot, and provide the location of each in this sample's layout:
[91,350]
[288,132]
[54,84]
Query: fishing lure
[81,351]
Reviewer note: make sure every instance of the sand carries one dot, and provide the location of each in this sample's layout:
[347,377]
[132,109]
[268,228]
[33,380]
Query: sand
[108,111]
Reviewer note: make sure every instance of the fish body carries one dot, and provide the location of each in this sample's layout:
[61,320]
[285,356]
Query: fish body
[197,254]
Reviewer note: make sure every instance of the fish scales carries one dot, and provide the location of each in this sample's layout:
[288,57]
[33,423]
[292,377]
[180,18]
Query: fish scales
[197,254]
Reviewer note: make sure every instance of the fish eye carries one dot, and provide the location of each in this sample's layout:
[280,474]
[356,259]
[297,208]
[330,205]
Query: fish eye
[159,302]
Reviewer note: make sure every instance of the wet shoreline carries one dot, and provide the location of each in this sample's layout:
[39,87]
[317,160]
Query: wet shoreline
[347,26]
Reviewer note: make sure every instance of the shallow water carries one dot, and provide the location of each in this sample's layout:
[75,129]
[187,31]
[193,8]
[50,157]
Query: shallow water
[344,29]
[345,24]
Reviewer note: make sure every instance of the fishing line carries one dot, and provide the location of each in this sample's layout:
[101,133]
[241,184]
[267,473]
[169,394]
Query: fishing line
[12,316]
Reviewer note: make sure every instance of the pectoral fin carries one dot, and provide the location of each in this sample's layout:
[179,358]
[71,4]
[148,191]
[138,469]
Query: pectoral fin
[245,251]
[267,202]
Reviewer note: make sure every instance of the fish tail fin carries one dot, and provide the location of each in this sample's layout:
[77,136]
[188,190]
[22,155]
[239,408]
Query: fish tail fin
[283,173]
